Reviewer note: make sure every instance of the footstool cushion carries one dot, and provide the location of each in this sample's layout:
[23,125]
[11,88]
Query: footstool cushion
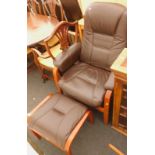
[55,118]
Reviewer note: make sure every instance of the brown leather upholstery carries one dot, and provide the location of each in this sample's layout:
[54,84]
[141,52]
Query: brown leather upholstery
[67,58]
[109,85]
[104,34]
[85,83]
[104,39]
[56,119]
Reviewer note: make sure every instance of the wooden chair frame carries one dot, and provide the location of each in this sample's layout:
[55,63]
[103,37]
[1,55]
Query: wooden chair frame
[45,8]
[50,6]
[33,5]
[61,32]
[67,149]
[65,18]
[107,98]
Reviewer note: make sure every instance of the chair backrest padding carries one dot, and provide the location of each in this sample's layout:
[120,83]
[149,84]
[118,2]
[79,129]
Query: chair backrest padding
[105,33]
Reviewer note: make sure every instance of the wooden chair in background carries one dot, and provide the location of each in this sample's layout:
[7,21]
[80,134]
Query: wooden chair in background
[34,7]
[51,8]
[72,13]
[30,62]
[44,61]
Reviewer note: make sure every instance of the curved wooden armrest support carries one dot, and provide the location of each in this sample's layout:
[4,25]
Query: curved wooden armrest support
[56,76]
[106,102]
[107,98]
[38,53]
[105,108]
[75,131]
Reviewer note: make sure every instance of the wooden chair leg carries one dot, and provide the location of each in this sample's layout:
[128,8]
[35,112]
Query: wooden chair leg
[106,106]
[80,32]
[106,117]
[56,77]
[37,135]
[91,117]
[74,133]
[68,152]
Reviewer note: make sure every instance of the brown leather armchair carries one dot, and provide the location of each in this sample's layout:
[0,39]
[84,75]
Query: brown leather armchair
[83,71]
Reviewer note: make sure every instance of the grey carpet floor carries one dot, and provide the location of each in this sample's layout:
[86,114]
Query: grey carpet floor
[91,140]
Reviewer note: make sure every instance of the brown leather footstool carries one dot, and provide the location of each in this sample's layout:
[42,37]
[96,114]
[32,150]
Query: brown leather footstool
[58,119]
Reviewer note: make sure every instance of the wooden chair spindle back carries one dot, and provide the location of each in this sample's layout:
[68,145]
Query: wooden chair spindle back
[62,35]
[61,32]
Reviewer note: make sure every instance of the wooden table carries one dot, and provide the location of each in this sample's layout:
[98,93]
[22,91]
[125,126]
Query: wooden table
[119,67]
[39,27]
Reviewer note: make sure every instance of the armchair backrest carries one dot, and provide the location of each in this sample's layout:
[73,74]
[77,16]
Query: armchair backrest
[105,33]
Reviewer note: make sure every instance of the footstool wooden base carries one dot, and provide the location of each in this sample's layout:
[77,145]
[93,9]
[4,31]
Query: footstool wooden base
[58,119]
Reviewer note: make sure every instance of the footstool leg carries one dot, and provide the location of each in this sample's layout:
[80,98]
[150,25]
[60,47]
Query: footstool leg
[68,152]
[91,117]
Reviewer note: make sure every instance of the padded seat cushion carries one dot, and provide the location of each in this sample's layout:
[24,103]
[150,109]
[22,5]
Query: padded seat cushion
[56,119]
[85,83]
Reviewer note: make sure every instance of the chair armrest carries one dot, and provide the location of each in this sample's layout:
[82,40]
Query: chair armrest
[68,57]
[109,85]
[38,53]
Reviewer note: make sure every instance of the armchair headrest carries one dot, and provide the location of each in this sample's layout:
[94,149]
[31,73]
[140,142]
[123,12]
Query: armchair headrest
[103,17]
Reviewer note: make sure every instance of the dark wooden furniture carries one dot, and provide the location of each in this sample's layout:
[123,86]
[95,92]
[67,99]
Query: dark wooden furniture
[39,27]
[119,68]
[72,11]
[51,8]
